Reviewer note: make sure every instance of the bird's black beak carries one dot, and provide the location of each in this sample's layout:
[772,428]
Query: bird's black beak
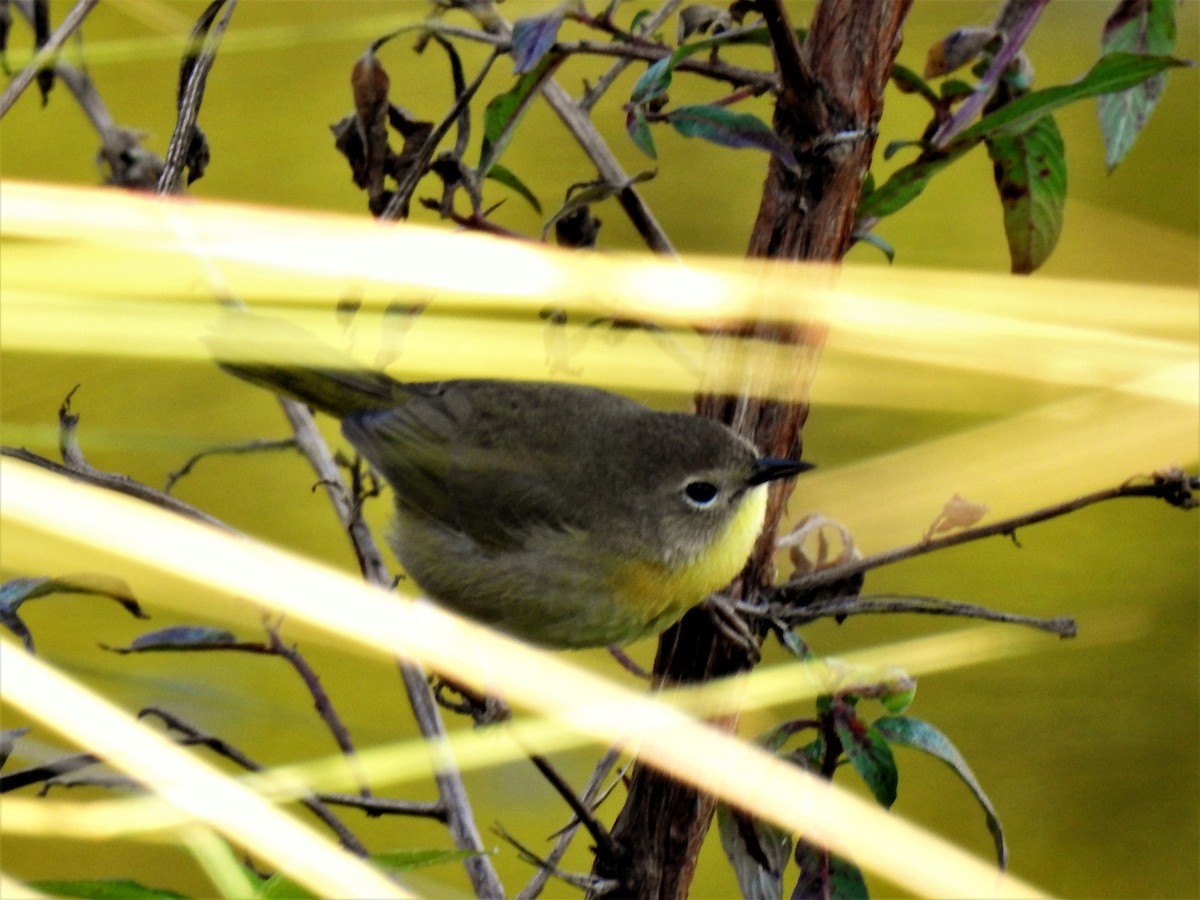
[768,469]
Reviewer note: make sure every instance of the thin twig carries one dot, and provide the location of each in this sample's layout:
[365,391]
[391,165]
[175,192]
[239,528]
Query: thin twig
[592,796]
[189,105]
[42,58]
[383,806]
[714,69]
[1014,39]
[10,781]
[398,205]
[311,445]
[839,607]
[122,484]
[321,701]
[605,81]
[594,886]
[1172,486]
[75,466]
[223,748]
[223,449]
[452,792]
[593,144]
[604,842]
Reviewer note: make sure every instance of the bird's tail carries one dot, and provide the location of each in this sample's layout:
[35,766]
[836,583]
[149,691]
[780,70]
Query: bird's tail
[288,360]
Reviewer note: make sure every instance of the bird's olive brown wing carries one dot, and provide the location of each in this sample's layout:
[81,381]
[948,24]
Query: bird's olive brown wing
[409,446]
[459,465]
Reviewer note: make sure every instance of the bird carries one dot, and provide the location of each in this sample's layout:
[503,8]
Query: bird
[563,514]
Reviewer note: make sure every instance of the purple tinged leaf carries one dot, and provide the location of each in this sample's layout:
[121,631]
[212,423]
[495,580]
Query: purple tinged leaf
[757,850]
[824,876]
[729,129]
[870,755]
[17,590]
[179,637]
[1030,170]
[1137,26]
[532,37]
[922,736]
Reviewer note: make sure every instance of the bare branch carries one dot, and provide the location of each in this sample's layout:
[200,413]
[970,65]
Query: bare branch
[397,207]
[321,701]
[452,792]
[592,796]
[194,736]
[605,81]
[232,449]
[189,105]
[77,467]
[1170,485]
[43,57]
[841,607]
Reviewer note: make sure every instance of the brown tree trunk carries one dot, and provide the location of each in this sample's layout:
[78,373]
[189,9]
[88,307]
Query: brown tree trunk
[828,110]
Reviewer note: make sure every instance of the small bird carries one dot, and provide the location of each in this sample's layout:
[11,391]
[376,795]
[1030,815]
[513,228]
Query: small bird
[565,515]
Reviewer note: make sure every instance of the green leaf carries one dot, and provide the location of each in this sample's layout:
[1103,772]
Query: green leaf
[16,591]
[895,147]
[909,82]
[956,89]
[532,37]
[1137,26]
[1030,169]
[898,700]
[729,129]
[757,850]
[639,131]
[104,889]
[505,177]
[1114,72]
[179,637]
[284,888]
[824,876]
[870,755]
[907,183]
[922,736]
[504,111]
[810,755]
[654,81]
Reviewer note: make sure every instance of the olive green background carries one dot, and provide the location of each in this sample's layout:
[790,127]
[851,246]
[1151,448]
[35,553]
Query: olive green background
[1088,748]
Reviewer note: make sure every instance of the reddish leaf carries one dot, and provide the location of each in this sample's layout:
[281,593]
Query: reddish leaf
[729,129]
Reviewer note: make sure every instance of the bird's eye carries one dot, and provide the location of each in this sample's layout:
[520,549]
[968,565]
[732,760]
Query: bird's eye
[700,493]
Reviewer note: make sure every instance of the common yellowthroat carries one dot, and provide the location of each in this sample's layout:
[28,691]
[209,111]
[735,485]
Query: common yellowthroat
[564,515]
